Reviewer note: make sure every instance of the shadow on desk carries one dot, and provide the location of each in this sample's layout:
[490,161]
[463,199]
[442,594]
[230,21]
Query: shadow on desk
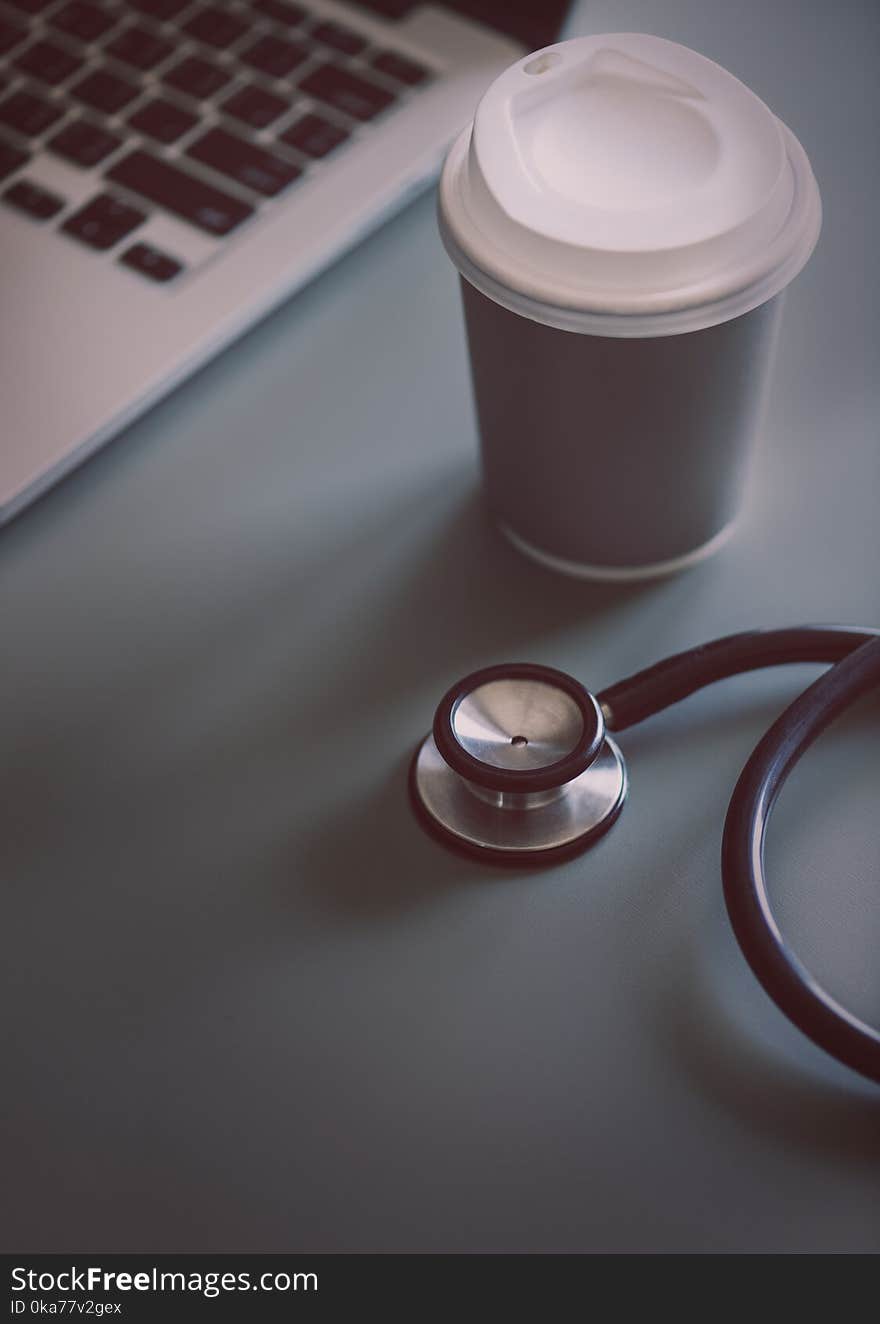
[837,1116]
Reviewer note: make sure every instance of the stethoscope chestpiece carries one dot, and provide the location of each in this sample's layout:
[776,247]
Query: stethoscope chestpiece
[518,767]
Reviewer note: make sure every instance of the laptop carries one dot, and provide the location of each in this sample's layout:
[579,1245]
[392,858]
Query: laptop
[171,170]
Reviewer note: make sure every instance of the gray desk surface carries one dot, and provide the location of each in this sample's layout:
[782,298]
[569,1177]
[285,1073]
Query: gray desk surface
[252,1006]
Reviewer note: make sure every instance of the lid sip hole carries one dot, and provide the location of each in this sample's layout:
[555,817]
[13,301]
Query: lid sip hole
[540,64]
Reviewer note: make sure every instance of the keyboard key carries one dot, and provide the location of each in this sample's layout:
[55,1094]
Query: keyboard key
[196,77]
[314,136]
[11,159]
[255,107]
[274,56]
[241,161]
[163,121]
[35,201]
[216,27]
[29,115]
[104,91]
[81,20]
[340,38]
[180,193]
[399,68]
[10,35]
[139,48]
[103,222]
[151,262]
[161,10]
[348,92]
[47,62]
[83,144]
[392,9]
[280,11]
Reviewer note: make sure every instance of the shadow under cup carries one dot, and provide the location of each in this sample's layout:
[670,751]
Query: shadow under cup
[615,457]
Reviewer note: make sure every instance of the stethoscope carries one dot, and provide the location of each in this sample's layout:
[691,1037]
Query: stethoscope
[520,768]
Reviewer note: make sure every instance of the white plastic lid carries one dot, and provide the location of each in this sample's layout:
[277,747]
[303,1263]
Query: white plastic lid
[624,185]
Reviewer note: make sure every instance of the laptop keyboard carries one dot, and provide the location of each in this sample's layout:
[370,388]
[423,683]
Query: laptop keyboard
[206,112]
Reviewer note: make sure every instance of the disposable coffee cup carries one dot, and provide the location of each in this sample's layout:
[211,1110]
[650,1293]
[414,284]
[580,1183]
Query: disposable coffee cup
[625,216]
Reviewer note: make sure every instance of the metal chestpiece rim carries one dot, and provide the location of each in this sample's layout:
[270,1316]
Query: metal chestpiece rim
[518,766]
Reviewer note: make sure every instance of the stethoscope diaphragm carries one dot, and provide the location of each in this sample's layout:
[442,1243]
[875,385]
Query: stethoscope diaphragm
[518,767]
